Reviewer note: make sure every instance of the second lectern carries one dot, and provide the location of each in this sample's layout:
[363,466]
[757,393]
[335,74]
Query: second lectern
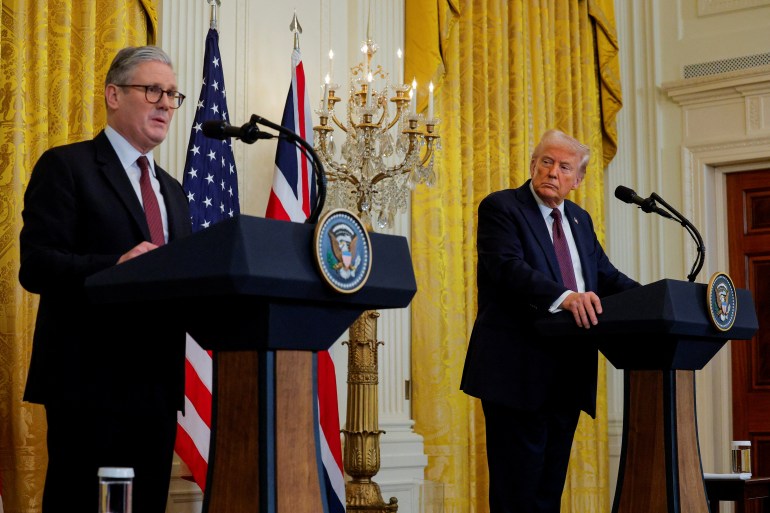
[267,313]
[660,334]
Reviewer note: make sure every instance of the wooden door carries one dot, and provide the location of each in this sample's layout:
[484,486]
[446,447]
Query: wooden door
[748,200]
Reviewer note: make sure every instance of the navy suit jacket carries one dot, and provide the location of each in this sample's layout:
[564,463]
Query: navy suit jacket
[518,281]
[80,215]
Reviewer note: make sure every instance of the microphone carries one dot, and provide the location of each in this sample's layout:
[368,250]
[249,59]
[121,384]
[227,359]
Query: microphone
[647,205]
[221,129]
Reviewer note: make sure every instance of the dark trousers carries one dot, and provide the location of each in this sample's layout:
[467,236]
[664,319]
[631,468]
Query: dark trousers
[528,453]
[81,439]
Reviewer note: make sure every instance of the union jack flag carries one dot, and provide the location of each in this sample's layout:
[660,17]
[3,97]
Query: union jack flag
[291,199]
[211,183]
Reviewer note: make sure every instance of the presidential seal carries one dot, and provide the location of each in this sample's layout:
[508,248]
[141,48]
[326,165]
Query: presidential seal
[722,301]
[342,250]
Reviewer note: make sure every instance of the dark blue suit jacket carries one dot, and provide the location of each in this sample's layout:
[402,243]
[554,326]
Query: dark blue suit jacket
[80,215]
[518,280]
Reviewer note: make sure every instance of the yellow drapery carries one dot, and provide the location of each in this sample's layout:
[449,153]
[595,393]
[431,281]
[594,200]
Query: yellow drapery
[55,55]
[506,71]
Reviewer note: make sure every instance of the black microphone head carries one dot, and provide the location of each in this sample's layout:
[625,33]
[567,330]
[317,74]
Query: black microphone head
[215,129]
[625,194]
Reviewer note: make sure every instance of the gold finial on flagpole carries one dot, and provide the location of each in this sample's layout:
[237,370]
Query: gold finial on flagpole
[295,27]
[213,20]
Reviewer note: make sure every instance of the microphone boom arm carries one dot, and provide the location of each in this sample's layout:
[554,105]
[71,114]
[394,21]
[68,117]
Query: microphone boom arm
[701,248]
[318,169]
[250,133]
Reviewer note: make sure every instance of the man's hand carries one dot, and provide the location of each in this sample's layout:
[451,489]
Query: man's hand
[584,306]
[141,249]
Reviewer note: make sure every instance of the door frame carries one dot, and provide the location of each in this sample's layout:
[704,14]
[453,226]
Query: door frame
[705,203]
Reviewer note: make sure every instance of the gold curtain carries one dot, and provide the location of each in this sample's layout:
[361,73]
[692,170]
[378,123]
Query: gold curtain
[55,55]
[506,70]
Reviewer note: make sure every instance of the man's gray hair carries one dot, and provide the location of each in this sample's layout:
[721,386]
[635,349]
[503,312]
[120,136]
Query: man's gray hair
[554,136]
[125,62]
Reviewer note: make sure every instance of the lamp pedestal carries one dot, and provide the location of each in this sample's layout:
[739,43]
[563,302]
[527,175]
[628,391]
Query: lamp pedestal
[362,433]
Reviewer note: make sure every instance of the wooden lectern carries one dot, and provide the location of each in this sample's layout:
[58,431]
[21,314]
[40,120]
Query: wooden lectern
[267,312]
[660,334]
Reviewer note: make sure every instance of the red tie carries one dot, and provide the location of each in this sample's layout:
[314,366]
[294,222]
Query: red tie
[150,202]
[562,252]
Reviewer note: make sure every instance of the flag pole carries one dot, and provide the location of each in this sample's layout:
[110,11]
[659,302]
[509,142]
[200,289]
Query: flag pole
[293,198]
[213,19]
[220,191]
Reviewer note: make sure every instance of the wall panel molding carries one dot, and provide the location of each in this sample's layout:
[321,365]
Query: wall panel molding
[707,7]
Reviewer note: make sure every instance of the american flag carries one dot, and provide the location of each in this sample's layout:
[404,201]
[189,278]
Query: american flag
[291,199]
[211,183]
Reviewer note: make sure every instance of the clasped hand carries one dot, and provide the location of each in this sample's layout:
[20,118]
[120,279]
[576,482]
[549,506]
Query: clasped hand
[585,306]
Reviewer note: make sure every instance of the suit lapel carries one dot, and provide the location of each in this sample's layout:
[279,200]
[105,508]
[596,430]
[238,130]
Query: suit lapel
[534,218]
[110,166]
[176,216]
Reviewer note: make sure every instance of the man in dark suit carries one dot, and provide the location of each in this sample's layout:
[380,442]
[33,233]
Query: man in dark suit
[111,377]
[532,389]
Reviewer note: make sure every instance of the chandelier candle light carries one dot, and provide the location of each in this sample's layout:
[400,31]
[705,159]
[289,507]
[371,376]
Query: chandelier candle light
[387,151]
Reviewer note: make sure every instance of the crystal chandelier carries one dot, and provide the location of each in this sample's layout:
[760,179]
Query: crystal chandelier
[388,149]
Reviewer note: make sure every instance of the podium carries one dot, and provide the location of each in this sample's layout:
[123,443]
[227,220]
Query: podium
[248,289]
[660,334]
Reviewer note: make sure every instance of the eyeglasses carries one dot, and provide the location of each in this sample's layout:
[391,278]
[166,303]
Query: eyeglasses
[153,94]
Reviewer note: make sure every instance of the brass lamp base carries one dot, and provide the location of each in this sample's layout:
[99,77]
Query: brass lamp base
[367,497]
[362,434]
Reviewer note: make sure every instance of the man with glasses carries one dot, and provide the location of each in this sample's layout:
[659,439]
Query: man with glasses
[111,378]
